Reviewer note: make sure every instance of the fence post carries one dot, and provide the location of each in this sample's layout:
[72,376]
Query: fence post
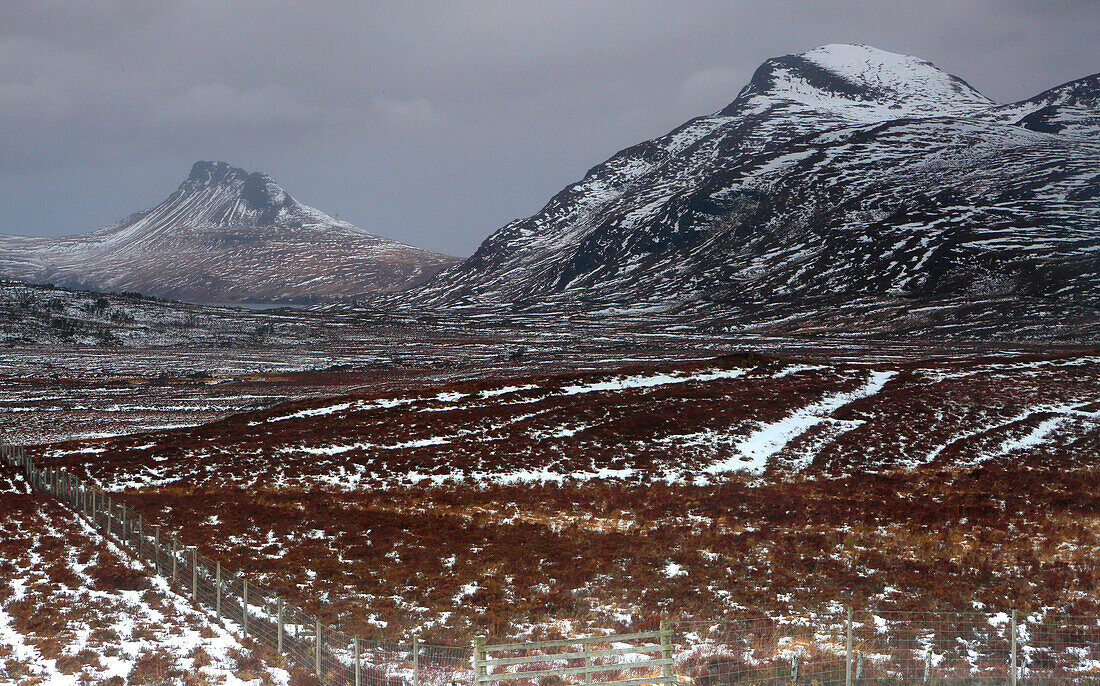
[244,607]
[416,661]
[109,503]
[195,576]
[140,535]
[479,659]
[928,667]
[218,590]
[279,639]
[666,651]
[1013,676]
[848,652]
[156,549]
[588,658]
[173,559]
[317,652]
[358,666]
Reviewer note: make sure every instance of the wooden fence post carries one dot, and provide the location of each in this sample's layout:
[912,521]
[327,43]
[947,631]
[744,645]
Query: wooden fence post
[173,559]
[416,661]
[479,659]
[218,591]
[1013,677]
[194,576]
[588,658]
[317,652]
[244,607]
[848,651]
[358,666]
[279,640]
[666,651]
[156,549]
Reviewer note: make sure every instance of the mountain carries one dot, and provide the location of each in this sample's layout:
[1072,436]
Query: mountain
[225,235]
[838,175]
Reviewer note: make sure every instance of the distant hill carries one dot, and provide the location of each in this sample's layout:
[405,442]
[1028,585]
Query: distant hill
[225,235]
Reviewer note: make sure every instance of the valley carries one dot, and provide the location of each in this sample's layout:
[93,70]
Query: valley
[713,489]
[829,351]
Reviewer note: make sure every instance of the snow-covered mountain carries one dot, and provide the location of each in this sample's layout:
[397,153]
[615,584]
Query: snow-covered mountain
[225,235]
[839,174]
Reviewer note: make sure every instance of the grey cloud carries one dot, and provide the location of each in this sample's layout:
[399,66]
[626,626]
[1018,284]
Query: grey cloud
[218,104]
[431,122]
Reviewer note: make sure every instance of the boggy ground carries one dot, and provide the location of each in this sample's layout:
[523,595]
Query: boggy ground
[714,489]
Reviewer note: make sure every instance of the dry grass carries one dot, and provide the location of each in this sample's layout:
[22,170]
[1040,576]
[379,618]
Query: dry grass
[854,524]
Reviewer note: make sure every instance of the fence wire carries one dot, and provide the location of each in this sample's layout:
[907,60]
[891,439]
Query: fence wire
[892,647]
[861,649]
[248,610]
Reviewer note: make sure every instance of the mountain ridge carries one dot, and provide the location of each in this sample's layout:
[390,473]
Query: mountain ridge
[807,194]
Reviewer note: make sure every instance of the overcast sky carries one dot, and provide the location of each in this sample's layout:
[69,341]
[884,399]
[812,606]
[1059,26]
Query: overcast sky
[430,122]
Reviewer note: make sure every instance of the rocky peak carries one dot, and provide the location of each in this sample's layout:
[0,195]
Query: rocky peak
[261,191]
[204,174]
[256,190]
[862,82]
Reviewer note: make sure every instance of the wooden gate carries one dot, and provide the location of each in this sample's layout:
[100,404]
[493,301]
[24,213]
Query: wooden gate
[618,660]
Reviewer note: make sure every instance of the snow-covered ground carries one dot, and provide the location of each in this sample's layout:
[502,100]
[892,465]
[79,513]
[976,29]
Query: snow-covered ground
[75,610]
[712,486]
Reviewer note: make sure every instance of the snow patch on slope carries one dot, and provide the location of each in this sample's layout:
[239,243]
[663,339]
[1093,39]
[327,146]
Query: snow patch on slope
[752,453]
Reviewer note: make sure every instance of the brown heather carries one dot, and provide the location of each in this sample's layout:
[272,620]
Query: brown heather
[865,522]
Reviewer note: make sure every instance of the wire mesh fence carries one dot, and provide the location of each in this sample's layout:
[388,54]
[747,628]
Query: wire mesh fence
[892,647]
[251,611]
[860,648]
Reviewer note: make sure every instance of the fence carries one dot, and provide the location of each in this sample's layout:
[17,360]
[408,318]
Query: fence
[853,648]
[332,656]
[627,659]
[867,647]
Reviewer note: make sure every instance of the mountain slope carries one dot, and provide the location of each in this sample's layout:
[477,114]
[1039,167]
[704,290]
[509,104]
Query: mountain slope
[844,172]
[224,236]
